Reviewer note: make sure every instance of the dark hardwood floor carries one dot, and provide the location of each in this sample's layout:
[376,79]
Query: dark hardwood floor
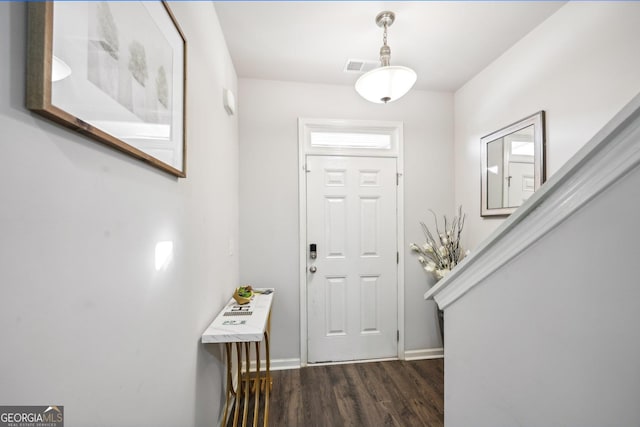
[394,393]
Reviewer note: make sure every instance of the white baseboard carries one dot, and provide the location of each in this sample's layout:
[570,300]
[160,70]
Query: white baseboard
[294,363]
[428,353]
[278,364]
[350,362]
[282,364]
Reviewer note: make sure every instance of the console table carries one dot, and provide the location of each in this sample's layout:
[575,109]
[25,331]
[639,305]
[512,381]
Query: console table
[244,326]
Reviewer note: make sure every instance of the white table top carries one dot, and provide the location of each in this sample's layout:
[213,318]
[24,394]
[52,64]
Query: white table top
[229,326]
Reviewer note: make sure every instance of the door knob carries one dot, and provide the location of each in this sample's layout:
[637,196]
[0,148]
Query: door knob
[313,269]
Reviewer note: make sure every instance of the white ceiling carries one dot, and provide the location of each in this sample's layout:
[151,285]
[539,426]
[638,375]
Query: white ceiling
[445,42]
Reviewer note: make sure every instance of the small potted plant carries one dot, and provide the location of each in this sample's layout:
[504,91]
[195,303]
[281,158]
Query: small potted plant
[243,294]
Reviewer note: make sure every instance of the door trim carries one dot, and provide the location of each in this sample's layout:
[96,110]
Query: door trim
[395,130]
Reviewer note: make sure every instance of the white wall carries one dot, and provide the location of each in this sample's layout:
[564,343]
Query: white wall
[581,66]
[85,320]
[269,190]
[552,337]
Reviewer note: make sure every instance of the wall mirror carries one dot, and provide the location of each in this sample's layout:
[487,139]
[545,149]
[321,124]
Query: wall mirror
[513,165]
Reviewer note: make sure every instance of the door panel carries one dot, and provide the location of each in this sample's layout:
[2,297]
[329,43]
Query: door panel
[369,305]
[520,183]
[336,308]
[335,226]
[369,226]
[352,296]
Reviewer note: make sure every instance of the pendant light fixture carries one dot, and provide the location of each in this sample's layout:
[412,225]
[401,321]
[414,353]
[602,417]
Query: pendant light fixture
[387,82]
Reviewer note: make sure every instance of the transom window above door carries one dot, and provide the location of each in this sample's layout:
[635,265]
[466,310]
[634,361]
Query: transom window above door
[374,141]
[352,137]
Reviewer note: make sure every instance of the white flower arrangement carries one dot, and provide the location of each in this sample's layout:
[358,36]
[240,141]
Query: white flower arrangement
[439,256]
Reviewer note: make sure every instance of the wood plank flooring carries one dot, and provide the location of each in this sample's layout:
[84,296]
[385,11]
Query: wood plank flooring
[395,393]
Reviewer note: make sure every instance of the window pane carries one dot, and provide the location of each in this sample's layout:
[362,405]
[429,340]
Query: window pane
[351,140]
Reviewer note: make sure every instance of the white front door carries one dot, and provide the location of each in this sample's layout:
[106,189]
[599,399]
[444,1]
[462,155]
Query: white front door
[520,183]
[352,284]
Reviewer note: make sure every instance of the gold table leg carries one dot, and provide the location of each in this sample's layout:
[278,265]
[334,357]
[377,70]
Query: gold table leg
[228,349]
[247,348]
[267,378]
[236,412]
[248,384]
[256,387]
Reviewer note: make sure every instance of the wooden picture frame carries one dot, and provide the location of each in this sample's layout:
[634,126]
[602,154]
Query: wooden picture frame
[113,71]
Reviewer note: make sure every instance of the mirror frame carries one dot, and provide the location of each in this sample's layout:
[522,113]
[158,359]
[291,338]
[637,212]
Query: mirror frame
[539,141]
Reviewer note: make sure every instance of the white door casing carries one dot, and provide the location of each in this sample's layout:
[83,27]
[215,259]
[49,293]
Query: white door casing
[352,287]
[314,138]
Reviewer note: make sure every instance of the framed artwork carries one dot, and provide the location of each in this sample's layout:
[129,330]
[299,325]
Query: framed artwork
[113,71]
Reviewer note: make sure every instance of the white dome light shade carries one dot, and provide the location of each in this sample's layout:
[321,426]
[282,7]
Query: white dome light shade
[386,84]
